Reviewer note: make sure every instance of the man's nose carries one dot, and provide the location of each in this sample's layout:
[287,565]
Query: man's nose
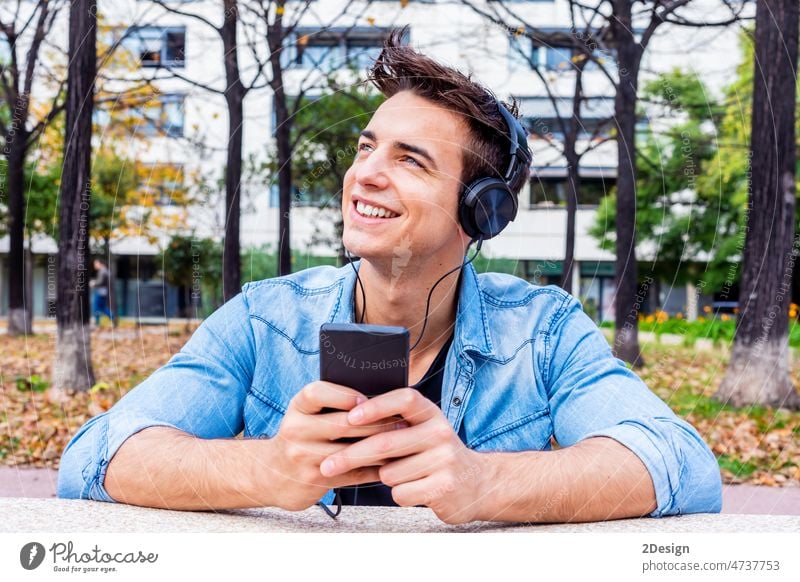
[372,171]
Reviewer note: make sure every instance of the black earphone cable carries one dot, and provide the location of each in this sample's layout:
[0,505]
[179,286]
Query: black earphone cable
[338,501]
[338,497]
[361,286]
[430,293]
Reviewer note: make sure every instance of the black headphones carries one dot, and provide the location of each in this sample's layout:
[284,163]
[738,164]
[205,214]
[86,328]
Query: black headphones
[487,205]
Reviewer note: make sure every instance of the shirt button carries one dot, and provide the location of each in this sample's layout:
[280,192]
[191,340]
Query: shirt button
[456,401]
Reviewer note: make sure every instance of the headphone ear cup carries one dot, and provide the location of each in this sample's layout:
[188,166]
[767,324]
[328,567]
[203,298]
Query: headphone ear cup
[465,212]
[486,208]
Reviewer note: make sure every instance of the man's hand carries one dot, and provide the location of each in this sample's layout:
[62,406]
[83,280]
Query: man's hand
[306,437]
[435,470]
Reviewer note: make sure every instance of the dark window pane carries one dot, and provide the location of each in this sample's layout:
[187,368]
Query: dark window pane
[176,47]
[545,192]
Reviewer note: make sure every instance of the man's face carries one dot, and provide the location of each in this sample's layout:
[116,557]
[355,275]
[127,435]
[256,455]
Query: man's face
[408,164]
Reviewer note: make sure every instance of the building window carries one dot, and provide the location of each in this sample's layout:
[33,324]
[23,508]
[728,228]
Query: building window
[542,118]
[361,52]
[543,272]
[333,49]
[317,51]
[162,116]
[157,46]
[163,183]
[547,192]
[524,54]
[550,128]
[143,115]
[302,195]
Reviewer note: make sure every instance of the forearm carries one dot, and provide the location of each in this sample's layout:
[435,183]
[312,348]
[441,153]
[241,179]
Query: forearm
[167,468]
[594,480]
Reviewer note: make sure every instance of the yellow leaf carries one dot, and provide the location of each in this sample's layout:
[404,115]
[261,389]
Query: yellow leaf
[98,387]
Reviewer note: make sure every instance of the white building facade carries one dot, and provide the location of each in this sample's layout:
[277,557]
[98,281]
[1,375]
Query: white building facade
[178,53]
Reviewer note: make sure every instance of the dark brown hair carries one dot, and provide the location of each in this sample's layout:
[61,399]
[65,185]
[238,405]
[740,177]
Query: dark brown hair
[486,149]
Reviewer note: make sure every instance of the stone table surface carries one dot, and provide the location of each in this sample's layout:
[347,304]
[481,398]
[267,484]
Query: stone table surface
[22,514]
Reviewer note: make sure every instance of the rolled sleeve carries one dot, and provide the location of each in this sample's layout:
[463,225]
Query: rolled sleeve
[200,391]
[594,394]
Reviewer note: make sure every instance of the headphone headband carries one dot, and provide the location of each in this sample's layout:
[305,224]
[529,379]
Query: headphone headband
[517,135]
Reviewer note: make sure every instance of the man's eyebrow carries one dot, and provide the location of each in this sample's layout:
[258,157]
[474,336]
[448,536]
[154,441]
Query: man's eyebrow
[403,146]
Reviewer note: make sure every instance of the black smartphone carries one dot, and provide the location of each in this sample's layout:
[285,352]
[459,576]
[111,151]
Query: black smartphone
[372,359]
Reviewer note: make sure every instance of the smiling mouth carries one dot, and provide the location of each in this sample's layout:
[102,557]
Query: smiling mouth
[370,211]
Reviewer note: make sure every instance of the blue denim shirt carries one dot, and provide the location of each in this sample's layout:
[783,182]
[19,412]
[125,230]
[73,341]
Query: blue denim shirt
[526,364]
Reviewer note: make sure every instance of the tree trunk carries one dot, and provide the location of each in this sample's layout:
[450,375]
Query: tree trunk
[283,142]
[73,366]
[20,314]
[234,96]
[573,177]
[758,372]
[572,191]
[626,302]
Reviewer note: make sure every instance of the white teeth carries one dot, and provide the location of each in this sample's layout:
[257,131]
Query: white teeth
[373,211]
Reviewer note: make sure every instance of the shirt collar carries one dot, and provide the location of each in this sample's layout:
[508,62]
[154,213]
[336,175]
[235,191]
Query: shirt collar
[472,326]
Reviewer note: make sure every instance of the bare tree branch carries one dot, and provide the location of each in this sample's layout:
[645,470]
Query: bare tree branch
[59,103]
[197,17]
[657,18]
[43,24]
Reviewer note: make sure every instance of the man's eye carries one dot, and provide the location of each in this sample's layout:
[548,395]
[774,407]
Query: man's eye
[412,161]
[363,147]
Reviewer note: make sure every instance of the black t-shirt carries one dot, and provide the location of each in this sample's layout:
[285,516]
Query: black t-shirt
[431,388]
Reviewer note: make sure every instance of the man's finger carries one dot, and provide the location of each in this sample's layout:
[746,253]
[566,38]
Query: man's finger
[333,426]
[413,493]
[315,396]
[369,451]
[410,468]
[408,403]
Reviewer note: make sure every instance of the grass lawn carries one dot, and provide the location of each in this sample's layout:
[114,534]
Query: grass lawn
[757,445]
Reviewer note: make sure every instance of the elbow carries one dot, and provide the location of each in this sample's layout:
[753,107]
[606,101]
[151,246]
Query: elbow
[81,471]
[683,469]
[701,483]
[71,483]
[699,487]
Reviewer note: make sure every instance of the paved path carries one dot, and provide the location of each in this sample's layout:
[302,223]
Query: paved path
[32,482]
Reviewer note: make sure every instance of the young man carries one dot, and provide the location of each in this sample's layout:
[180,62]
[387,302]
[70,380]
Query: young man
[505,365]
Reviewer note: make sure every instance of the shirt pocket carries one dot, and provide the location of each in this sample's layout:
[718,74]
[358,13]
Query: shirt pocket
[531,432]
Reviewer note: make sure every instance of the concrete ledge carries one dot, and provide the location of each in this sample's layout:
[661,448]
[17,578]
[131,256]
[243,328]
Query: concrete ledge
[26,481]
[69,515]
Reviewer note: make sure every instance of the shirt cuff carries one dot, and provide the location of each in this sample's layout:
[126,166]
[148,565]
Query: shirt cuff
[649,446]
[329,497]
[115,429]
